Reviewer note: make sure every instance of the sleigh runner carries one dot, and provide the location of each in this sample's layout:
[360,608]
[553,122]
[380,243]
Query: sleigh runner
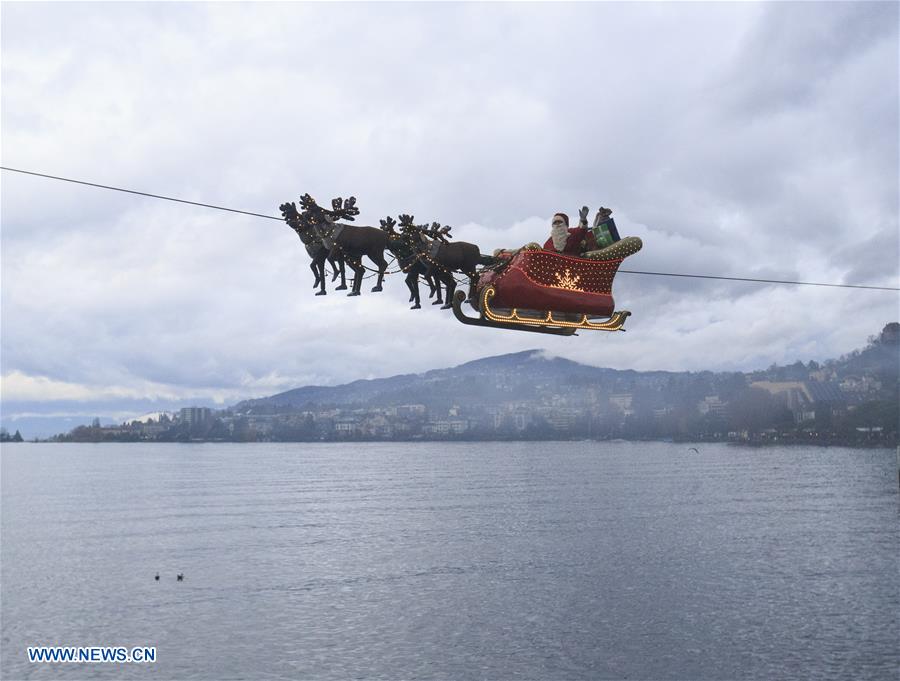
[546,292]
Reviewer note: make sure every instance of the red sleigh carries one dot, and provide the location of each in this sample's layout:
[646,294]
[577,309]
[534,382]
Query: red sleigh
[545,292]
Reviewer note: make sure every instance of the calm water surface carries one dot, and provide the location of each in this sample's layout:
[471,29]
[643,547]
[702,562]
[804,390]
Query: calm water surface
[453,561]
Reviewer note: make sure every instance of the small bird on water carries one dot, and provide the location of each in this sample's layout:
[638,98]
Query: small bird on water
[156,577]
[180,576]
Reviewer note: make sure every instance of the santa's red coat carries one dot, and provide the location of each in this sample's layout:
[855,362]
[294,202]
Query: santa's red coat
[573,242]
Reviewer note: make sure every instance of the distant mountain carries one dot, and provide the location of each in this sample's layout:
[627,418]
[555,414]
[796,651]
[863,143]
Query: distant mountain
[532,376]
[853,400]
[499,378]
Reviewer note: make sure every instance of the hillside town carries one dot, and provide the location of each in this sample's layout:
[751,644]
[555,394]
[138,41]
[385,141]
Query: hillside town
[526,396]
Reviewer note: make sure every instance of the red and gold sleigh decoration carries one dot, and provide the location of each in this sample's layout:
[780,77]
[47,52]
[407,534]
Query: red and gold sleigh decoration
[547,292]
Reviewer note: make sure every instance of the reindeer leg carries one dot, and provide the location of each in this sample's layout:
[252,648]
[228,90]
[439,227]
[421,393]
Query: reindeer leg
[412,281]
[315,271]
[437,289]
[357,277]
[334,269]
[450,282]
[379,260]
[378,287]
[336,258]
[321,277]
[319,268]
[434,283]
[343,286]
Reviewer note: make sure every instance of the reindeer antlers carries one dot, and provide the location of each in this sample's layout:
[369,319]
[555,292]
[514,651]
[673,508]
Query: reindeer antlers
[308,203]
[437,232]
[344,209]
[291,216]
[341,209]
[289,213]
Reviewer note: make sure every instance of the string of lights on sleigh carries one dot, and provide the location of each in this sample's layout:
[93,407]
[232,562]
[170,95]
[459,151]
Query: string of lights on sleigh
[529,289]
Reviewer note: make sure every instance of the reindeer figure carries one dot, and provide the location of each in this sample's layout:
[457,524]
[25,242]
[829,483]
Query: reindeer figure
[445,258]
[403,245]
[414,264]
[407,257]
[315,249]
[350,241]
[435,232]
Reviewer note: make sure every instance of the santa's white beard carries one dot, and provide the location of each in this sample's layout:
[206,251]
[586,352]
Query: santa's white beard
[559,234]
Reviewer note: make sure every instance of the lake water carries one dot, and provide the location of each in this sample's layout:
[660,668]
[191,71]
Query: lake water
[575,560]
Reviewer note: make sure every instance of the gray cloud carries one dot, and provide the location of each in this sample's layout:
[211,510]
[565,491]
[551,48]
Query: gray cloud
[797,51]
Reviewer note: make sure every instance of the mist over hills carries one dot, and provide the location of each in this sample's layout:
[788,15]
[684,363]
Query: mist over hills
[523,375]
[533,376]
[531,395]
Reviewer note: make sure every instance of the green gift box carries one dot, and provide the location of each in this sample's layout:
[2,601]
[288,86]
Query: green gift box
[606,233]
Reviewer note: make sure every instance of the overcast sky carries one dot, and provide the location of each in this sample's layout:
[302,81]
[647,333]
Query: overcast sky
[736,139]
